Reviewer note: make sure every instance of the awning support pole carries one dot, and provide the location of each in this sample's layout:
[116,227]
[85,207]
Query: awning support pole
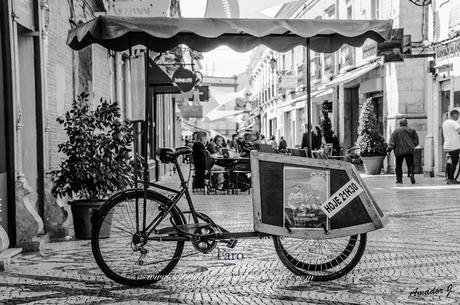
[309,135]
[145,137]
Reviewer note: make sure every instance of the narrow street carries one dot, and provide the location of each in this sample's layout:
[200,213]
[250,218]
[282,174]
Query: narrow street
[419,250]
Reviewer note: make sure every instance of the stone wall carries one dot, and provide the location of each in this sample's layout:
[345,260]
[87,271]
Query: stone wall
[59,76]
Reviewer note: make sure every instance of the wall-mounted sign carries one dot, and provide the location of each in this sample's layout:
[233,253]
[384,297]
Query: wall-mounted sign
[392,49]
[347,56]
[451,49]
[329,64]
[191,111]
[369,48]
[201,94]
[184,79]
[139,8]
[316,67]
[288,82]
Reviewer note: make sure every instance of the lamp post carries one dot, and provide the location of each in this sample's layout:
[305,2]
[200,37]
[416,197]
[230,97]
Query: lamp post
[273,66]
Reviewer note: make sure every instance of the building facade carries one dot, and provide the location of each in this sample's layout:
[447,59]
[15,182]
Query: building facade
[444,42]
[343,80]
[40,76]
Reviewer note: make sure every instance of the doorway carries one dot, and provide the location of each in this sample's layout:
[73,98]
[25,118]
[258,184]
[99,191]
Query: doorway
[445,89]
[351,102]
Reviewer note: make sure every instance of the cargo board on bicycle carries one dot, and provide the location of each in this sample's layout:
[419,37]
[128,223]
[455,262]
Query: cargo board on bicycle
[311,198]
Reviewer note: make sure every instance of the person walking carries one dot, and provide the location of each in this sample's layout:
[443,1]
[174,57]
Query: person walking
[403,141]
[450,132]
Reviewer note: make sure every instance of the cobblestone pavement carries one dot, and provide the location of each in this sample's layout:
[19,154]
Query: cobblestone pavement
[418,250]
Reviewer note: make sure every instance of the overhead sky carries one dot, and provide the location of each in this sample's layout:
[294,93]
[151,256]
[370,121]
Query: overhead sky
[224,61]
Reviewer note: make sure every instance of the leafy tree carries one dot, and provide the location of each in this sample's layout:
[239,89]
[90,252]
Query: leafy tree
[370,142]
[97,152]
[326,129]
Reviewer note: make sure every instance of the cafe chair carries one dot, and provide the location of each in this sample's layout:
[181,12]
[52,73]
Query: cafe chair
[297,152]
[319,154]
[267,148]
[241,179]
[212,181]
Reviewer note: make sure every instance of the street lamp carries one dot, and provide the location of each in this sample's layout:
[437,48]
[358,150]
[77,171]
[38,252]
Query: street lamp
[273,64]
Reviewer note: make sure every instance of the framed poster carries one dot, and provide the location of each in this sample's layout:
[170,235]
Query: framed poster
[305,189]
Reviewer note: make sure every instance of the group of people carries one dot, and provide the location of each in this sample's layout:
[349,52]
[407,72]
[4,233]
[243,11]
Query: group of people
[205,152]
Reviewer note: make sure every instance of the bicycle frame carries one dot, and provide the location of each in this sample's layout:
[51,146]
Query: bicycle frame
[151,227]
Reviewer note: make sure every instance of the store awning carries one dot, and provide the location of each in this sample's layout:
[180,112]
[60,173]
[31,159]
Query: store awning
[314,94]
[353,74]
[222,114]
[204,34]
[323,93]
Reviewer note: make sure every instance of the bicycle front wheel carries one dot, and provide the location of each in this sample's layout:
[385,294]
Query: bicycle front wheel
[320,259]
[124,253]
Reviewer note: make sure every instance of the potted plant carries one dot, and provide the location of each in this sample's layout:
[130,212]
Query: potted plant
[371,144]
[96,162]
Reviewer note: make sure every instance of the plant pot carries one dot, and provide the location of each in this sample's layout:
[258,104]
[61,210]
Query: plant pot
[82,214]
[373,165]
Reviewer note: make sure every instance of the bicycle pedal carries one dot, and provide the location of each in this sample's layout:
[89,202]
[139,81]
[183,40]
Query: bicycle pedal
[230,243]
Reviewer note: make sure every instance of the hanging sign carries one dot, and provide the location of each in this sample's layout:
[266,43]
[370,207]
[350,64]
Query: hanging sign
[191,111]
[201,94]
[289,82]
[184,79]
[341,198]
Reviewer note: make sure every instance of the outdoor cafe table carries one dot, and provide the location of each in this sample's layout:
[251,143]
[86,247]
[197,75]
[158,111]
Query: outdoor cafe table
[229,164]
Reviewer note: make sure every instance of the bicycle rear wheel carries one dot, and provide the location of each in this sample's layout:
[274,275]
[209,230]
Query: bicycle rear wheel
[320,259]
[126,256]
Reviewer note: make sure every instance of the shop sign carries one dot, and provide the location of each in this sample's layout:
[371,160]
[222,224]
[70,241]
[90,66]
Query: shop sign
[288,82]
[346,56]
[184,79]
[300,74]
[24,10]
[341,198]
[316,67]
[201,94]
[139,8]
[329,64]
[369,48]
[191,111]
[451,49]
[392,49]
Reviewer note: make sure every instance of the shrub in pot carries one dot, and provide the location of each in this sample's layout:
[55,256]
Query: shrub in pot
[371,144]
[96,161]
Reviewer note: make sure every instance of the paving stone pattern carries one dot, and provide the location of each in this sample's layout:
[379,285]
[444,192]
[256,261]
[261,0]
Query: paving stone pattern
[418,251]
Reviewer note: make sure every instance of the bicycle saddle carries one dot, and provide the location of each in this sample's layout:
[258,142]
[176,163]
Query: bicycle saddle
[168,155]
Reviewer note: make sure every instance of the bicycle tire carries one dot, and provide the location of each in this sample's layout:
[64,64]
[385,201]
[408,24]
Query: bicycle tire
[102,248]
[331,266]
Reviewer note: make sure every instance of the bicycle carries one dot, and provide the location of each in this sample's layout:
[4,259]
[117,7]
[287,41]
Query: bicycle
[150,231]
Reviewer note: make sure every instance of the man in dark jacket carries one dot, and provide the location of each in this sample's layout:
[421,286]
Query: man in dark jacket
[403,141]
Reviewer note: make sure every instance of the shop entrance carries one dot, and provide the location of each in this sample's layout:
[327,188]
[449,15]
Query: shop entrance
[445,106]
[351,101]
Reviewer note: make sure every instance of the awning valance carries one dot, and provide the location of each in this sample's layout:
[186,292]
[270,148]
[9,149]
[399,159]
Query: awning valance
[204,34]
[354,74]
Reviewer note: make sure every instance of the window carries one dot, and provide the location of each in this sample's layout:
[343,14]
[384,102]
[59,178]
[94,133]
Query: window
[349,10]
[375,9]
[330,11]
